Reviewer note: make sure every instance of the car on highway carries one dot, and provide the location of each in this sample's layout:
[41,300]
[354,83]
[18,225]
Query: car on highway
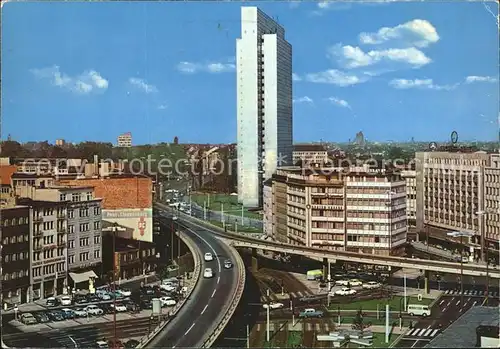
[370,285]
[344,291]
[80,312]
[41,317]
[52,302]
[55,315]
[67,313]
[167,301]
[209,257]
[273,305]
[66,300]
[94,310]
[208,273]
[228,264]
[419,310]
[120,308]
[28,319]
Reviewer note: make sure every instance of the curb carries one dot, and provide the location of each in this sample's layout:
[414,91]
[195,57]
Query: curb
[196,274]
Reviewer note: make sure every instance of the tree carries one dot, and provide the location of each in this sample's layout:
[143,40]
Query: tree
[176,140]
[358,322]
[12,149]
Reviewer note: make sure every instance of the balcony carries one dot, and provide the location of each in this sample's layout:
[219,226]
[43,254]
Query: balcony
[328,206]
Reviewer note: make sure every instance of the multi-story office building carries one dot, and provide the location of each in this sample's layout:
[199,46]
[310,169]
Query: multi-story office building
[264,103]
[492,204]
[48,243]
[450,193]
[15,255]
[362,210]
[411,195]
[124,140]
[310,154]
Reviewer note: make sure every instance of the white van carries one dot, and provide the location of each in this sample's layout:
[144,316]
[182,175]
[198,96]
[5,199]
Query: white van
[419,310]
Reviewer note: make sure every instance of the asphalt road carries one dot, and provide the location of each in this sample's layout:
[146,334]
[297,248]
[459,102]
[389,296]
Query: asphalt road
[79,337]
[201,311]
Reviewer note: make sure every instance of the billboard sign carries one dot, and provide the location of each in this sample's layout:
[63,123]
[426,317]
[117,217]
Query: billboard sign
[138,223]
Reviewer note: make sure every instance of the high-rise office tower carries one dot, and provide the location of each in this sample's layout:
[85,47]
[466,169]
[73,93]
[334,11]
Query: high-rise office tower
[264,103]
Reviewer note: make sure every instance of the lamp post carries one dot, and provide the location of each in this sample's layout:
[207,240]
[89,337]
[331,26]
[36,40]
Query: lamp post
[482,215]
[114,228]
[461,234]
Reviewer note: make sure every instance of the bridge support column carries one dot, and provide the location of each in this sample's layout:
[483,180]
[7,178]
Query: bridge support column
[255,263]
[325,268]
[427,275]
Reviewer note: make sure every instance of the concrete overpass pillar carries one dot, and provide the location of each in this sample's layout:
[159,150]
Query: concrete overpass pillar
[325,268]
[427,276]
[255,263]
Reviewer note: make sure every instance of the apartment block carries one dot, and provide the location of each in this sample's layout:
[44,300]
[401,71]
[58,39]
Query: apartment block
[124,140]
[411,195]
[15,247]
[310,154]
[360,210]
[450,193]
[492,203]
[48,243]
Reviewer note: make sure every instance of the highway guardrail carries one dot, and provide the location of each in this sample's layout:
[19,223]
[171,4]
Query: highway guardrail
[196,275]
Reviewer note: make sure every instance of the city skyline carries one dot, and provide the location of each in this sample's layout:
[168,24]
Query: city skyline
[67,79]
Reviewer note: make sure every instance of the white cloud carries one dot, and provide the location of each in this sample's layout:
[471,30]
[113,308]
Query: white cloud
[304,99]
[335,5]
[339,102]
[354,57]
[428,84]
[162,107]
[84,83]
[418,32]
[296,77]
[473,78]
[214,67]
[143,85]
[335,77]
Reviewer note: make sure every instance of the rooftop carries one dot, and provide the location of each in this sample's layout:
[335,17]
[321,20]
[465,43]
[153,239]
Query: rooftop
[308,147]
[6,173]
[39,203]
[462,333]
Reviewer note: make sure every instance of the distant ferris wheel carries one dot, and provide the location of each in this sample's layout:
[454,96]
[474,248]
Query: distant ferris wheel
[454,137]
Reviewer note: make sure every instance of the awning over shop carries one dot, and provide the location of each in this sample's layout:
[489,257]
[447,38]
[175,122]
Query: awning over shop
[81,277]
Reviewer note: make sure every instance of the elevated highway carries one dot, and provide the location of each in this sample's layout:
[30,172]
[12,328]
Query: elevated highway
[212,301]
[241,240]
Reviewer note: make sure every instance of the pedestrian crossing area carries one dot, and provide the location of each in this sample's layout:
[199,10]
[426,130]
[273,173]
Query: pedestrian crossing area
[470,293]
[422,332]
[275,297]
[322,327]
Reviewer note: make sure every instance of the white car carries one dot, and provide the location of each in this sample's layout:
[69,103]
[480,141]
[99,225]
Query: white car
[66,300]
[80,312]
[370,285]
[344,291]
[341,282]
[95,310]
[167,302]
[168,287]
[355,282]
[209,257]
[273,305]
[104,296]
[125,292]
[120,308]
[208,273]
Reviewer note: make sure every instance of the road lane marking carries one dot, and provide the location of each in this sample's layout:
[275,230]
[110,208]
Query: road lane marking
[427,332]
[441,302]
[189,329]
[204,309]
[444,309]
[458,303]
[434,332]
[213,250]
[415,343]
[218,279]
[213,293]
[474,303]
[428,326]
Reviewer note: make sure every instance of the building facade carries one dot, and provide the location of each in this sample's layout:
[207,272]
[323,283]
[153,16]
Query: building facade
[15,255]
[264,103]
[450,193]
[310,154]
[492,205]
[411,195]
[362,210]
[124,140]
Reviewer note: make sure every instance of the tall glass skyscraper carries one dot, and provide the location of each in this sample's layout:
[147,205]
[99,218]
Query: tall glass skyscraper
[264,103]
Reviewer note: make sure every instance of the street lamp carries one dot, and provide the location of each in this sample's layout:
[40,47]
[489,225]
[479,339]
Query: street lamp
[461,234]
[485,254]
[114,228]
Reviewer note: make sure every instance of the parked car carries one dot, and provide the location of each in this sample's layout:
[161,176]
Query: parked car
[147,290]
[355,282]
[67,313]
[102,344]
[119,307]
[168,287]
[308,313]
[107,308]
[66,300]
[132,306]
[370,285]
[228,264]
[103,295]
[28,319]
[344,291]
[343,282]
[80,312]
[208,273]
[273,305]
[146,304]
[80,299]
[93,298]
[55,316]
[41,317]
[167,301]
[125,292]
[131,343]
[208,257]
[94,310]
[52,302]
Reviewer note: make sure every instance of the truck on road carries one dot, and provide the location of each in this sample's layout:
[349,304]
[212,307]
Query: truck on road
[310,313]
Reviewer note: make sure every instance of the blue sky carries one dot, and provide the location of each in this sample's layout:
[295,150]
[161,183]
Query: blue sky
[92,70]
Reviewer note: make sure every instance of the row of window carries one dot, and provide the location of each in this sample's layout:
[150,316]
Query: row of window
[15,239]
[76,197]
[84,256]
[85,241]
[15,275]
[8,222]
[47,254]
[15,257]
[49,269]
